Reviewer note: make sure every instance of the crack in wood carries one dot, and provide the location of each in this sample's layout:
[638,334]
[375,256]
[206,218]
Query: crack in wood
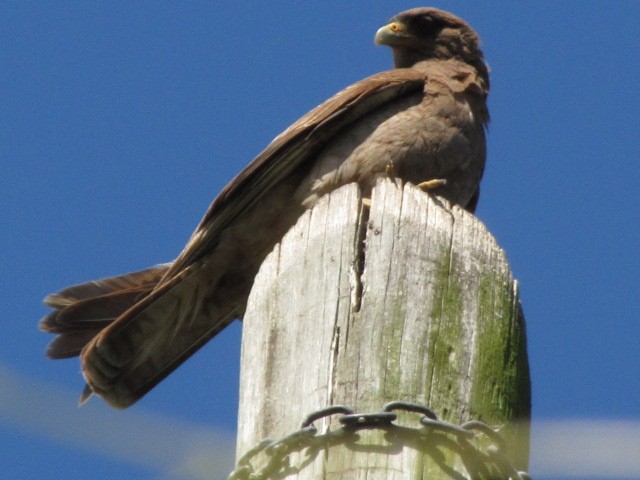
[357,269]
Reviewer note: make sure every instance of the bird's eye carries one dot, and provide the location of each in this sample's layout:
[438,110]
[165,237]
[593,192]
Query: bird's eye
[426,22]
[428,25]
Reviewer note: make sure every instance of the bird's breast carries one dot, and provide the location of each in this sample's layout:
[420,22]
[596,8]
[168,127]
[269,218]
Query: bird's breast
[422,137]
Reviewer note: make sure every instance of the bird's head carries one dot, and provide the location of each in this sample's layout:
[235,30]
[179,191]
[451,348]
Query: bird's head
[428,33]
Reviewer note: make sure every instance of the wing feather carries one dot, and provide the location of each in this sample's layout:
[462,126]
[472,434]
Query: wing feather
[158,333]
[296,145]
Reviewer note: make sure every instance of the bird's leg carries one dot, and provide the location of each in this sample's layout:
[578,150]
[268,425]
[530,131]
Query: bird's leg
[428,185]
[389,170]
[431,184]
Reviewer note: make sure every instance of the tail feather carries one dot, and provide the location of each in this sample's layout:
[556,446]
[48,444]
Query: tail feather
[92,312]
[82,291]
[148,341]
[82,311]
[131,331]
[67,345]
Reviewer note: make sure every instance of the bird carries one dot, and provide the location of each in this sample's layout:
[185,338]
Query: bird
[424,121]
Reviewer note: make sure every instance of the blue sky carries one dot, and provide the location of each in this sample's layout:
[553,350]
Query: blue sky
[121,121]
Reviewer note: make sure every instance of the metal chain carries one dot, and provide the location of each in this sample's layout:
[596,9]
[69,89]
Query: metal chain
[276,455]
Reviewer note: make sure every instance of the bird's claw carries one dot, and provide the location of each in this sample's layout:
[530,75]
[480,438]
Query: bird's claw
[431,184]
[389,170]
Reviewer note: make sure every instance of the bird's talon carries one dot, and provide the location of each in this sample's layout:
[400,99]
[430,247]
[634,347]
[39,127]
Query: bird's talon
[431,184]
[389,170]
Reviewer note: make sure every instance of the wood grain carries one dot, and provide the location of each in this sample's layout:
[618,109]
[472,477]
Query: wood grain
[409,299]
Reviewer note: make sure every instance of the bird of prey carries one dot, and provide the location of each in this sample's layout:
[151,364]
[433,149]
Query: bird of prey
[423,121]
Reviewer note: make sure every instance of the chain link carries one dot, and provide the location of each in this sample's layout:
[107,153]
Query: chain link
[275,456]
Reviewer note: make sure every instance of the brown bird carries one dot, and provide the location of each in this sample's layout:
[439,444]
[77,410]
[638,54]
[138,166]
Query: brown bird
[424,121]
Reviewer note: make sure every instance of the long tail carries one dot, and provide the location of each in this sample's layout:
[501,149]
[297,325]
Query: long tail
[133,330]
[82,311]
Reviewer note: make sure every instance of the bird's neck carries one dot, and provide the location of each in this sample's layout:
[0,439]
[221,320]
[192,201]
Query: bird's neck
[404,58]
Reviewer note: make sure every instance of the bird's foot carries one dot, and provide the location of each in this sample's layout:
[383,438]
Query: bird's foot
[431,184]
[389,170]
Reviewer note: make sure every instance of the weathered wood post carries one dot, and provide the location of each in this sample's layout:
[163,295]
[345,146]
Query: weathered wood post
[406,300]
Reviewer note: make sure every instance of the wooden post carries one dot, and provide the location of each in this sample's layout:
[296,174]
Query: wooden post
[406,300]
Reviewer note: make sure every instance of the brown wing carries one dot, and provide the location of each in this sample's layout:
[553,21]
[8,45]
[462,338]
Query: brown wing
[293,147]
[158,333]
